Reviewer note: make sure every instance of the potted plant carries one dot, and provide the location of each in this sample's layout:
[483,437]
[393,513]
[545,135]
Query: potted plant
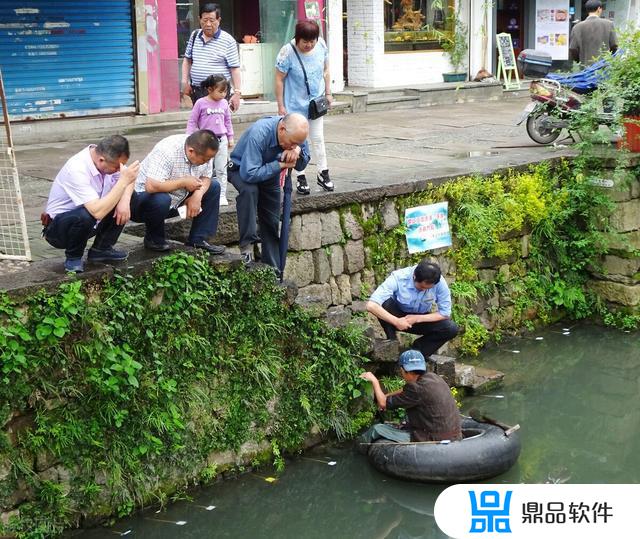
[623,84]
[455,44]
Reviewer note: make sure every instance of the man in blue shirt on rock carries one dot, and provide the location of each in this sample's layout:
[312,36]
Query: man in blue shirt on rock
[265,150]
[405,301]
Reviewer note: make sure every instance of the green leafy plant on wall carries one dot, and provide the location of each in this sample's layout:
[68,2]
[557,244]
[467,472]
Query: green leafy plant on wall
[563,219]
[139,380]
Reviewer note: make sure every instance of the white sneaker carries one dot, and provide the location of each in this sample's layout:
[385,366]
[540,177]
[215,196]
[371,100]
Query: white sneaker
[223,201]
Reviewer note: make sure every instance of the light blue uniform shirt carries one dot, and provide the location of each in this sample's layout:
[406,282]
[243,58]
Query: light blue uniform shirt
[400,286]
[296,98]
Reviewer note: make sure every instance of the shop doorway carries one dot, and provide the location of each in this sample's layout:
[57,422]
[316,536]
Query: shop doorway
[511,20]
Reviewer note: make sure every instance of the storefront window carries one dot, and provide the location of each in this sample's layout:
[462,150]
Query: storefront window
[413,25]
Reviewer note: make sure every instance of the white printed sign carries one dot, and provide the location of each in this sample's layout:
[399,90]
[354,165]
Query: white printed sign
[552,28]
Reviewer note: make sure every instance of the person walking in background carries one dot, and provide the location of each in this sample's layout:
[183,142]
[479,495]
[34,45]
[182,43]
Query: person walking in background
[211,51]
[212,113]
[264,152]
[89,197]
[405,300]
[593,36]
[309,49]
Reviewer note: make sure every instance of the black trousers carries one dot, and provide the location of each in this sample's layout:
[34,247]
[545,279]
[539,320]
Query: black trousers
[433,334]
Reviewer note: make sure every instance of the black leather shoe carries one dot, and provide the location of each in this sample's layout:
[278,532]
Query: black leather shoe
[213,249]
[153,246]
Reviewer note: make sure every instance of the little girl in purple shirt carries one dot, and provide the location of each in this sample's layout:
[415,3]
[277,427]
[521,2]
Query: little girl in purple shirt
[212,112]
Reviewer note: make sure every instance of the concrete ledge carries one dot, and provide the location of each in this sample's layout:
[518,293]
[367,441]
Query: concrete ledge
[49,274]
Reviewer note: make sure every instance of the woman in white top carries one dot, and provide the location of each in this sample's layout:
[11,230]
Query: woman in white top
[292,94]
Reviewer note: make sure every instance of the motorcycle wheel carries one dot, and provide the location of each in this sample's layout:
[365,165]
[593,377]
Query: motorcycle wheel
[537,132]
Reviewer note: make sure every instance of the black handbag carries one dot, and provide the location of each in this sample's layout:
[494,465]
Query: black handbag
[318,106]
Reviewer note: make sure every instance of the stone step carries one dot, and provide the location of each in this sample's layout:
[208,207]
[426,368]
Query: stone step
[392,103]
[477,380]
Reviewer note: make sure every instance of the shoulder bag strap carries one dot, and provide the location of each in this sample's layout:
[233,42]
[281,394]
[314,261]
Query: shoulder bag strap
[304,71]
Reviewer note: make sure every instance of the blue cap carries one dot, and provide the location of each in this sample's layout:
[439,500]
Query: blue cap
[412,360]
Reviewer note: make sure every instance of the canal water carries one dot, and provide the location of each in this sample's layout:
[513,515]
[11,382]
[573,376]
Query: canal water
[575,391]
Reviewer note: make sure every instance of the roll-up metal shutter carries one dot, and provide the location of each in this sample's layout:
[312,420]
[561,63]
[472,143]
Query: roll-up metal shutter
[67,58]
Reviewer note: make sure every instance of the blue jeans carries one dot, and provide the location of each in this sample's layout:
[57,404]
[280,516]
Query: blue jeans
[386,431]
[71,231]
[153,208]
[262,201]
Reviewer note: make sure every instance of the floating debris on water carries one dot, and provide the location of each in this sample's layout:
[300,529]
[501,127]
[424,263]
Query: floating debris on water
[181,522]
[331,463]
[539,338]
[515,351]
[206,507]
[270,479]
[494,396]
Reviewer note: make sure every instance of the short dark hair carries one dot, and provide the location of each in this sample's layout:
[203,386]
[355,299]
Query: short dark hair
[113,147]
[213,81]
[307,30]
[592,5]
[209,7]
[203,140]
[427,272]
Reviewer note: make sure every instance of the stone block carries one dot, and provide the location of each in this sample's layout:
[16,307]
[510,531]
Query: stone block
[315,298]
[386,350]
[338,316]
[359,306]
[344,289]
[368,282]
[8,515]
[465,374]
[321,266]
[525,246]
[625,242]
[299,268]
[5,468]
[45,460]
[623,190]
[626,216]
[331,229]
[306,232]
[354,256]
[352,228]
[621,266]
[487,275]
[444,366]
[336,259]
[623,294]
[389,213]
[356,285]
[504,272]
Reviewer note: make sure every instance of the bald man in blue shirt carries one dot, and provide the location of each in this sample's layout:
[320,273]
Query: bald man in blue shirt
[405,302]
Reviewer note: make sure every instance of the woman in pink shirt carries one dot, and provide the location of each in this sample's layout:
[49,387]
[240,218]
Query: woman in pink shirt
[212,112]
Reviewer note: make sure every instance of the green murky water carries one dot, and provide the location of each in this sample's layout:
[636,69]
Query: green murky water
[575,394]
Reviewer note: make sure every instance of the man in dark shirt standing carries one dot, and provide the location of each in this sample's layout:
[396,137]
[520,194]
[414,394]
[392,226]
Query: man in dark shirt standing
[593,36]
[431,409]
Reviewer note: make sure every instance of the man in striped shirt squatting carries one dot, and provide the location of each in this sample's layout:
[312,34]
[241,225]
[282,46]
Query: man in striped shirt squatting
[211,51]
[179,172]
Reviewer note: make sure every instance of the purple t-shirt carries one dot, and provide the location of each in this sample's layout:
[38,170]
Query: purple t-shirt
[78,182]
[213,115]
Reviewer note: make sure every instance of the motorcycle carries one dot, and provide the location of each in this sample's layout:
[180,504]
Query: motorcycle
[551,110]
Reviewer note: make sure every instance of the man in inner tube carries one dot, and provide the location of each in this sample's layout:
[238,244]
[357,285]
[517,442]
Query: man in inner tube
[405,300]
[431,409]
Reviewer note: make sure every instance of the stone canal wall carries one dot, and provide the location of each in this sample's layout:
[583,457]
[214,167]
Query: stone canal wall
[506,273]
